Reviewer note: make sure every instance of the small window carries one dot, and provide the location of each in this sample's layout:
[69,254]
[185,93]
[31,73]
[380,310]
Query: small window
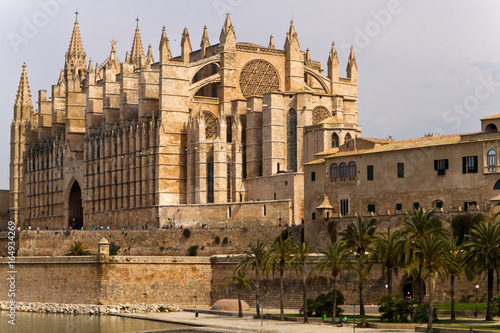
[265,210]
[314,216]
[497,185]
[401,170]
[399,207]
[344,206]
[439,204]
[492,160]
[343,170]
[352,169]
[469,204]
[335,140]
[229,212]
[334,170]
[371,208]
[369,172]
[313,176]
[469,164]
[416,204]
[441,166]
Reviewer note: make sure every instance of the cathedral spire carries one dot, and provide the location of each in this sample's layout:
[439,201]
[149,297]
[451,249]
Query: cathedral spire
[291,37]
[75,57]
[352,67]
[185,45]
[333,64]
[227,33]
[204,41]
[23,105]
[164,46]
[137,50]
[271,43]
[149,56]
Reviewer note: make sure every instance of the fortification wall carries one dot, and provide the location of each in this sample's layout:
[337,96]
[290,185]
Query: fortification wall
[158,242]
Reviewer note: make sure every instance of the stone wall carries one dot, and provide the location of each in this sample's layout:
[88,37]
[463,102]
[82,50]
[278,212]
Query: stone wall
[163,242]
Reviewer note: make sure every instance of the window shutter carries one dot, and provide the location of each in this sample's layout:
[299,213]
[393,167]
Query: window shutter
[476,167]
[446,164]
[436,163]
[464,164]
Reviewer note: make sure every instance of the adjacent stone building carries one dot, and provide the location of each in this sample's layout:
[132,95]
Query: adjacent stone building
[217,136]
[385,178]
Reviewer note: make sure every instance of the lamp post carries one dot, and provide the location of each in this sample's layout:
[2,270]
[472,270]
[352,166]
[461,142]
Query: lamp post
[354,320]
[195,311]
[261,300]
[477,292]
[387,289]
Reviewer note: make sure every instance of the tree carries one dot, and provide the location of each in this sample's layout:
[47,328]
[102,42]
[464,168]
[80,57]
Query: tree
[256,258]
[335,259]
[359,236]
[436,261]
[388,247]
[418,225]
[78,249]
[301,252]
[241,282]
[456,255]
[280,256]
[482,253]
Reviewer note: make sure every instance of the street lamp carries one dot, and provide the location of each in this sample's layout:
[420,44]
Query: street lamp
[386,288]
[195,311]
[477,291]
[354,320]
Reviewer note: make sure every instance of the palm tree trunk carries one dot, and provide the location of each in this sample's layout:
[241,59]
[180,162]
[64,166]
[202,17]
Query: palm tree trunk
[452,294]
[490,294]
[304,291]
[240,312]
[389,280]
[282,311]
[257,292]
[361,304]
[431,288]
[334,311]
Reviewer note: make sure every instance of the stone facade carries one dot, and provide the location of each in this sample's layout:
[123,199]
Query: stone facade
[144,142]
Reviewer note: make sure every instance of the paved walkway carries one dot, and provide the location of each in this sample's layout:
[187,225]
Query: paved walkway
[248,324]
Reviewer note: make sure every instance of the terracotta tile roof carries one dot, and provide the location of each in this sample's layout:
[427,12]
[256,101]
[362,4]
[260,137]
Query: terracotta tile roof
[496,116]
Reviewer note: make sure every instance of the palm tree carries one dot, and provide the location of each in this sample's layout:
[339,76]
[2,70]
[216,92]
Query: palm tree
[418,225]
[279,257]
[482,252]
[435,262]
[301,252]
[359,236]
[456,255]
[388,247]
[335,259]
[241,282]
[78,249]
[256,258]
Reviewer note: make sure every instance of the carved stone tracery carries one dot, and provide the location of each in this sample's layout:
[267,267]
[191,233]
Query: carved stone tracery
[258,77]
[210,124]
[320,113]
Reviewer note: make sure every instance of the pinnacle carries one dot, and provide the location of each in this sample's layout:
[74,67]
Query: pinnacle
[204,39]
[271,43]
[75,49]
[23,97]
[226,29]
[137,50]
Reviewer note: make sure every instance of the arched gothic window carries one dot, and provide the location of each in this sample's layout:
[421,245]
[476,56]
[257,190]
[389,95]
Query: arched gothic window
[335,140]
[343,170]
[210,179]
[291,140]
[228,179]
[492,160]
[352,169]
[334,170]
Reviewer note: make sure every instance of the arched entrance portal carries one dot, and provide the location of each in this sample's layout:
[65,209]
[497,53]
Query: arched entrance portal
[75,207]
[408,291]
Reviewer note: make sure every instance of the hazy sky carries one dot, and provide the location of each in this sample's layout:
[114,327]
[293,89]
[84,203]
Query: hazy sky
[424,66]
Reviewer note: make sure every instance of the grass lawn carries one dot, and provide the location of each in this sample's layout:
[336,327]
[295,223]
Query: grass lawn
[461,306]
[475,327]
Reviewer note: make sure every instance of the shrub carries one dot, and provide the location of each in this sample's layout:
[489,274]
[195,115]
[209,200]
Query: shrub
[245,229]
[495,305]
[395,309]
[113,249]
[282,236]
[162,248]
[186,233]
[162,309]
[193,250]
[323,304]
[67,232]
[420,315]
[225,241]
[78,249]
[217,240]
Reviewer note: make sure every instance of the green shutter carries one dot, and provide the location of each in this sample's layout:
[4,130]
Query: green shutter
[464,164]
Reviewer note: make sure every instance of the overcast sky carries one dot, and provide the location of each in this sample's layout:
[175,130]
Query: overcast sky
[424,66]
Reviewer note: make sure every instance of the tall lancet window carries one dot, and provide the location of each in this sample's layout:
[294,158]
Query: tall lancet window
[291,140]
[210,180]
[228,184]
